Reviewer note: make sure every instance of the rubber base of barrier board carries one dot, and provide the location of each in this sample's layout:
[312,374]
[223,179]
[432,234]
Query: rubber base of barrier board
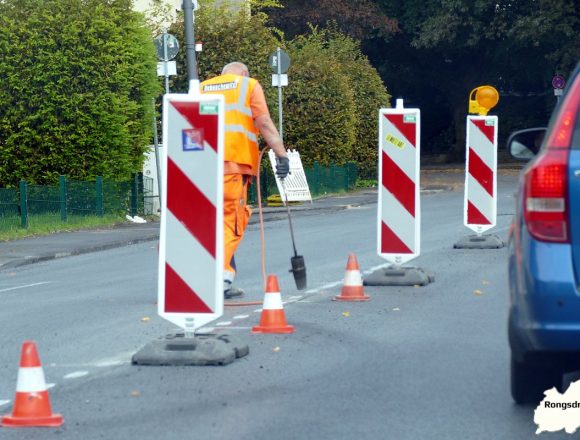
[206,349]
[399,276]
[480,242]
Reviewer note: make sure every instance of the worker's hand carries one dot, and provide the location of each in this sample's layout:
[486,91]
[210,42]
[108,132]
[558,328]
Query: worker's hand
[282,167]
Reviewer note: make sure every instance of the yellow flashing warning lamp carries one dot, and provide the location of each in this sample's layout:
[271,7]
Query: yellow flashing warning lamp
[482,99]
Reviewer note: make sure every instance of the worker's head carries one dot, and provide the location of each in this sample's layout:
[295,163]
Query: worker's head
[236,68]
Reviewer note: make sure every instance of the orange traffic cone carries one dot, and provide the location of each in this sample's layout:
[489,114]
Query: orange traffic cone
[352,289]
[31,404]
[273,319]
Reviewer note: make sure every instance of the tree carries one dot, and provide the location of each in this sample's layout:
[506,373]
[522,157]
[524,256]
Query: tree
[78,77]
[358,19]
[448,47]
[320,107]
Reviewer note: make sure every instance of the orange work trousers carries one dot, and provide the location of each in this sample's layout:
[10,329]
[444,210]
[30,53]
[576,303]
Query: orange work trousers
[236,215]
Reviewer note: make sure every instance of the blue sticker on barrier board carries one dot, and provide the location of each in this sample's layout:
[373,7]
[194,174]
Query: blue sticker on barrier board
[192,139]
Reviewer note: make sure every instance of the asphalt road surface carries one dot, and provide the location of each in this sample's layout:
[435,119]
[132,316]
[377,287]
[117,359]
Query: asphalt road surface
[411,363]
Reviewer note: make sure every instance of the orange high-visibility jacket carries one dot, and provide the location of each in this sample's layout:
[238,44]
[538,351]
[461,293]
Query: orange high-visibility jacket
[241,137]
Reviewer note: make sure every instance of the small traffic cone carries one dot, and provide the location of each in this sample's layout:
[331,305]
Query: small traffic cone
[273,319]
[31,404]
[352,289]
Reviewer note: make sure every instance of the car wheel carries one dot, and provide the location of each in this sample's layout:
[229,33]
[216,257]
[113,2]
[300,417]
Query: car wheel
[528,382]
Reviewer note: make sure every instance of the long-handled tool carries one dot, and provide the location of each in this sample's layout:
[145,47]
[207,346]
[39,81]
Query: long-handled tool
[297,261]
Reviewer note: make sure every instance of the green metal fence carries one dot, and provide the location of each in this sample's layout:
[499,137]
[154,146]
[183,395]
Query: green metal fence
[134,197]
[75,198]
[321,180]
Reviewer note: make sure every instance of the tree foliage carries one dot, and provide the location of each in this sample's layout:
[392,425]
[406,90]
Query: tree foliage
[514,45]
[358,19]
[434,52]
[333,100]
[227,35]
[78,77]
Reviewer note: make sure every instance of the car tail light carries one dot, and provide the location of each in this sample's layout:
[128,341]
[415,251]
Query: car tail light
[546,181]
[545,210]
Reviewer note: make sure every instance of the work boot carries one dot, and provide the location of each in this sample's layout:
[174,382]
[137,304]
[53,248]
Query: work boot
[233,292]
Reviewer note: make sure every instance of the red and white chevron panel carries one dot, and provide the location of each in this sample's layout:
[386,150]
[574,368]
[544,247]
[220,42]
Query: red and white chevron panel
[399,216]
[480,207]
[191,237]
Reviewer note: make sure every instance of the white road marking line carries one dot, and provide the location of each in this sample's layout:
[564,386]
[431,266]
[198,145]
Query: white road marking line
[239,328]
[224,323]
[76,375]
[204,330]
[23,287]
[120,359]
[50,385]
[241,316]
[258,311]
[4,402]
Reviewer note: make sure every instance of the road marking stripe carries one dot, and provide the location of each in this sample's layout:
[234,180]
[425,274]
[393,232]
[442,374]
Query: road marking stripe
[76,375]
[4,402]
[241,316]
[224,323]
[24,286]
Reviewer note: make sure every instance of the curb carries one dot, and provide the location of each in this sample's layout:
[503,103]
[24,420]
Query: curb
[87,250]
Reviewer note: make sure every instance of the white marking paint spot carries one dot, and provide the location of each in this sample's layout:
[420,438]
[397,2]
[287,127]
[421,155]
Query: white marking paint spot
[76,375]
[4,402]
[241,316]
[50,385]
[224,323]
[258,311]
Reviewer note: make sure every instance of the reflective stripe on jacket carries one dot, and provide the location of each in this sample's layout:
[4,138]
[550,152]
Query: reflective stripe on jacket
[241,138]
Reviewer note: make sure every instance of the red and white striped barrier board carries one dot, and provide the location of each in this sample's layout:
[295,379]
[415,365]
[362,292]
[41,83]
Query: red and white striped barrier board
[399,217]
[191,238]
[480,207]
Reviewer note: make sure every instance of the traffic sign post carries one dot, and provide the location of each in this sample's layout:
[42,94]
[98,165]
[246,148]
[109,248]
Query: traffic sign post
[279,62]
[190,279]
[480,197]
[167,48]
[558,83]
[399,208]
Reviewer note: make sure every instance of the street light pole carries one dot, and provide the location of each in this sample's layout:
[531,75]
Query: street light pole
[188,18]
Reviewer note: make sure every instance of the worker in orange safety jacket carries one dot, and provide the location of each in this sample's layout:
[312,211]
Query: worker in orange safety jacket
[246,116]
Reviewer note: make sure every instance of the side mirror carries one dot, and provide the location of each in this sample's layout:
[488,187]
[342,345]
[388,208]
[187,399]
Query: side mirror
[525,144]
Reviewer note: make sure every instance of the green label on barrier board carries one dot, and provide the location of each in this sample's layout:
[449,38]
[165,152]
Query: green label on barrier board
[489,122]
[209,109]
[410,119]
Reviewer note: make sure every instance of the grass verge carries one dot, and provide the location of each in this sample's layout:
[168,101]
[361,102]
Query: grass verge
[45,224]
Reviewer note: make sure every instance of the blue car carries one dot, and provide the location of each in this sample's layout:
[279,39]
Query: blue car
[544,252]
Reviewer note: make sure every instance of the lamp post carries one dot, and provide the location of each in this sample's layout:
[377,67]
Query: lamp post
[189,7]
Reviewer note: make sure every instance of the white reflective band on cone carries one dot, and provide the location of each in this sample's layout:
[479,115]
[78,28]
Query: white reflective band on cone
[30,380]
[352,278]
[272,301]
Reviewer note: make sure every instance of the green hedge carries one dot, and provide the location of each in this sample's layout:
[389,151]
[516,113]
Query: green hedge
[78,77]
